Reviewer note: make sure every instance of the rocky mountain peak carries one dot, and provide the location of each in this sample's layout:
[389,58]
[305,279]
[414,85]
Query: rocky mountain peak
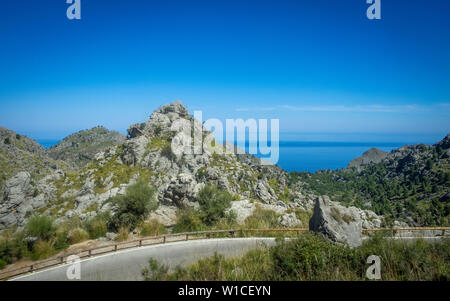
[173,109]
[373,155]
[444,143]
[81,147]
[160,121]
[10,140]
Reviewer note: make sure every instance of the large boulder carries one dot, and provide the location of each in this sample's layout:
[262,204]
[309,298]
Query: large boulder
[182,189]
[134,150]
[264,193]
[18,188]
[242,209]
[340,224]
[166,215]
[21,197]
[289,220]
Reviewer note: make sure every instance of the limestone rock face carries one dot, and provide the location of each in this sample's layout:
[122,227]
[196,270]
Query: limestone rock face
[263,193]
[160,122]
[171,150]
[289,220]
[338,223]
[134,150]
[183,187]
[19,153]
[166,215]
[242,209]
[21,197]
[165,144]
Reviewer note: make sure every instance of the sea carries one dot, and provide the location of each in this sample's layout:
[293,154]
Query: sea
[309,156]
[313,156]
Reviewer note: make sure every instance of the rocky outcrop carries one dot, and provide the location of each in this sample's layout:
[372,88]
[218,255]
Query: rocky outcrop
[160,122]
[182,189]
[289,220]
[165,144]
[19,153]
[22,196]
[80,148]
[373,155]
[444,144]
[245,208]
[340,224]
[262,192]
[242,210]
[166,215]
[10,140]
[164,151]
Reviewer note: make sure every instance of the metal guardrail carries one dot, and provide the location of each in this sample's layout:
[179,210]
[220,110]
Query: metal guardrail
[395,230]
[161,239]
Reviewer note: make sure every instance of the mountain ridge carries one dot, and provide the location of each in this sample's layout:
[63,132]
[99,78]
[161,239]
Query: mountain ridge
[69,189]
[80,148]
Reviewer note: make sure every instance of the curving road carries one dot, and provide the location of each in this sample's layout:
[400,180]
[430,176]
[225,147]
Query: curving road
[127,264]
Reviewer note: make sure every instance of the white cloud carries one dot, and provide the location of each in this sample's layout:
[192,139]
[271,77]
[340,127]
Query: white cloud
[358,108]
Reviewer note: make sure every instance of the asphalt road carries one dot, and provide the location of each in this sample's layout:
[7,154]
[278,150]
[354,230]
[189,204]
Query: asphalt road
[127,264]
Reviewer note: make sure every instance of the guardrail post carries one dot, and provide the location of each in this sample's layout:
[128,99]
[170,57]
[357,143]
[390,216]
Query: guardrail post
[208,235]
[443,232]
[90,253]
[187,236]
[164,239]
[31,268]
[115,247]
[62,259]
[232,234]
[140,242]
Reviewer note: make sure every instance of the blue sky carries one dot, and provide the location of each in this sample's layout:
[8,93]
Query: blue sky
[320,66]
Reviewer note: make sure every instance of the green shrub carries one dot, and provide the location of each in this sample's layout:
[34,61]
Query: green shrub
[62,235]
[152,228]
[228,222]
[188,220]
[19,247]
[42,249]
[213,204]
[122,234]
[2,264]
[212,211]
[134,206]
[168,110]
[168,153]
[155,271]
[157,130]
[6,251]
[97,226]
[312,257]
[7,141]
[77,235]
[61,241]
[41,226]
[262,218]
[201,172]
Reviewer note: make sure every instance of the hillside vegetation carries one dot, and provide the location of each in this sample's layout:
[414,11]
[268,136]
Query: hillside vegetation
[312,258]
[411,184]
